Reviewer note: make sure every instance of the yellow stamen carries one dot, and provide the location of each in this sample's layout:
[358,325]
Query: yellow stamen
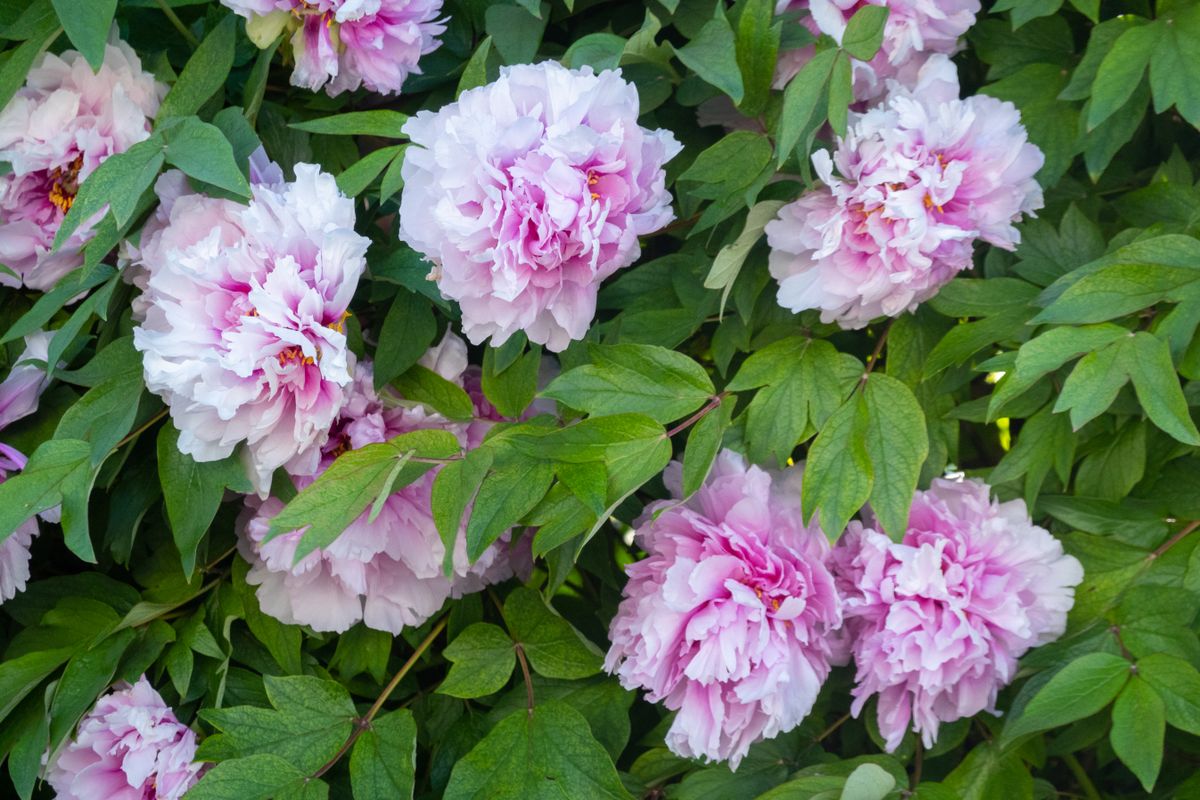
[65,184]
[340,325]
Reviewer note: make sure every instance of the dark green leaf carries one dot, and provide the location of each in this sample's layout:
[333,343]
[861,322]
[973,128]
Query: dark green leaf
[555,649]
[383,762]
[483,660]
[87,26]
[203,75]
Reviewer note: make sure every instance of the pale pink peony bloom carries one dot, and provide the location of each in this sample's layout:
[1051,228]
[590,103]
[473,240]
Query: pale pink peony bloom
[728,618]
[528,192]
[915,30]
[242,316]
[388,573]
[19,395]
[921,177]
[937,622]
[62,125]
[344,44]
[130,746]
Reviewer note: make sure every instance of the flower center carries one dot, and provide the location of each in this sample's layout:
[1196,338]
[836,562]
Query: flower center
[293,355]
[64,184]
[592,180]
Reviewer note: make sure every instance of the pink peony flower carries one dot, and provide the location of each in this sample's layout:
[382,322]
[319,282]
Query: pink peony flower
[242,316]
[344,44]
[921,178]
[728,618]
[937,622]
[62,125]
[19,395]
[130,746]
[915,30]
[387,573]
[527,192]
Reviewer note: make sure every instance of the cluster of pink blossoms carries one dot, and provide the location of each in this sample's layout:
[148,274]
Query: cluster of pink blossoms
[386,572]
[914,31]
[736,614]
[19,395]
[920,178]
[242,315]
[130,746]
[344,44]
[55,132]
[528,192]
[937,621]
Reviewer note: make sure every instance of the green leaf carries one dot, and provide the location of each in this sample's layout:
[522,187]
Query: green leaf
[600,51]
[703,444]
[475,73]
[52,469]
[1121,71]
[838,475]
[511,388]
[352,482]
[1138,725]
[587,480]
[841,92]
[728,263]
[590,439]
[202,152]
[282,641]
[383,762]
[712,55]
[87,26]
[800,100]
[19,61]
[548,754]
[193,492]
[898,444]
[868,781]
[1046,353]
[1178,685]
[1146,360]
[355,179]
[864,32]
[258,777]
[408,330]
[453,491]
[483,659]
[380,122]
[506,495]
[514,32]
[554,648]
[203,75]
[423,385]
[758,38]
[309,720]
[1078,690]
[104,414]
[1174,67]
[86,676]
[988,773]
[636,378]
[117,183]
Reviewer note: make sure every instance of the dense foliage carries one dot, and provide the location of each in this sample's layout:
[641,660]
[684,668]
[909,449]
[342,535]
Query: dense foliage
[1063,371]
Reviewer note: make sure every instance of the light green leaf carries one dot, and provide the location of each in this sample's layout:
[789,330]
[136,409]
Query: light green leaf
[554,648]
[898,444]
[546,755]
[203,75]
[258,777]
[839,474]
[506,495]
[1178,685]
[483,659]
[202,152]
[87,25]
[868,782]
[193,491]
[636,378]
[379,122]
[1138,725]
[383,762]
[800,100]
[703,444]
[712,55]
[423,385]
[864,32]
[1078,690]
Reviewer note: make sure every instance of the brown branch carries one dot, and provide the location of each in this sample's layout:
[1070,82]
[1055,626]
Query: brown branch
[874,358]
[1174,540]
[829,731]
[699,415]
[528,678]
[149,424]
[363,723]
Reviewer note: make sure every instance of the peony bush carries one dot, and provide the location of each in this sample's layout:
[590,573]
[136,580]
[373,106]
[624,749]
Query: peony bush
[599,399]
